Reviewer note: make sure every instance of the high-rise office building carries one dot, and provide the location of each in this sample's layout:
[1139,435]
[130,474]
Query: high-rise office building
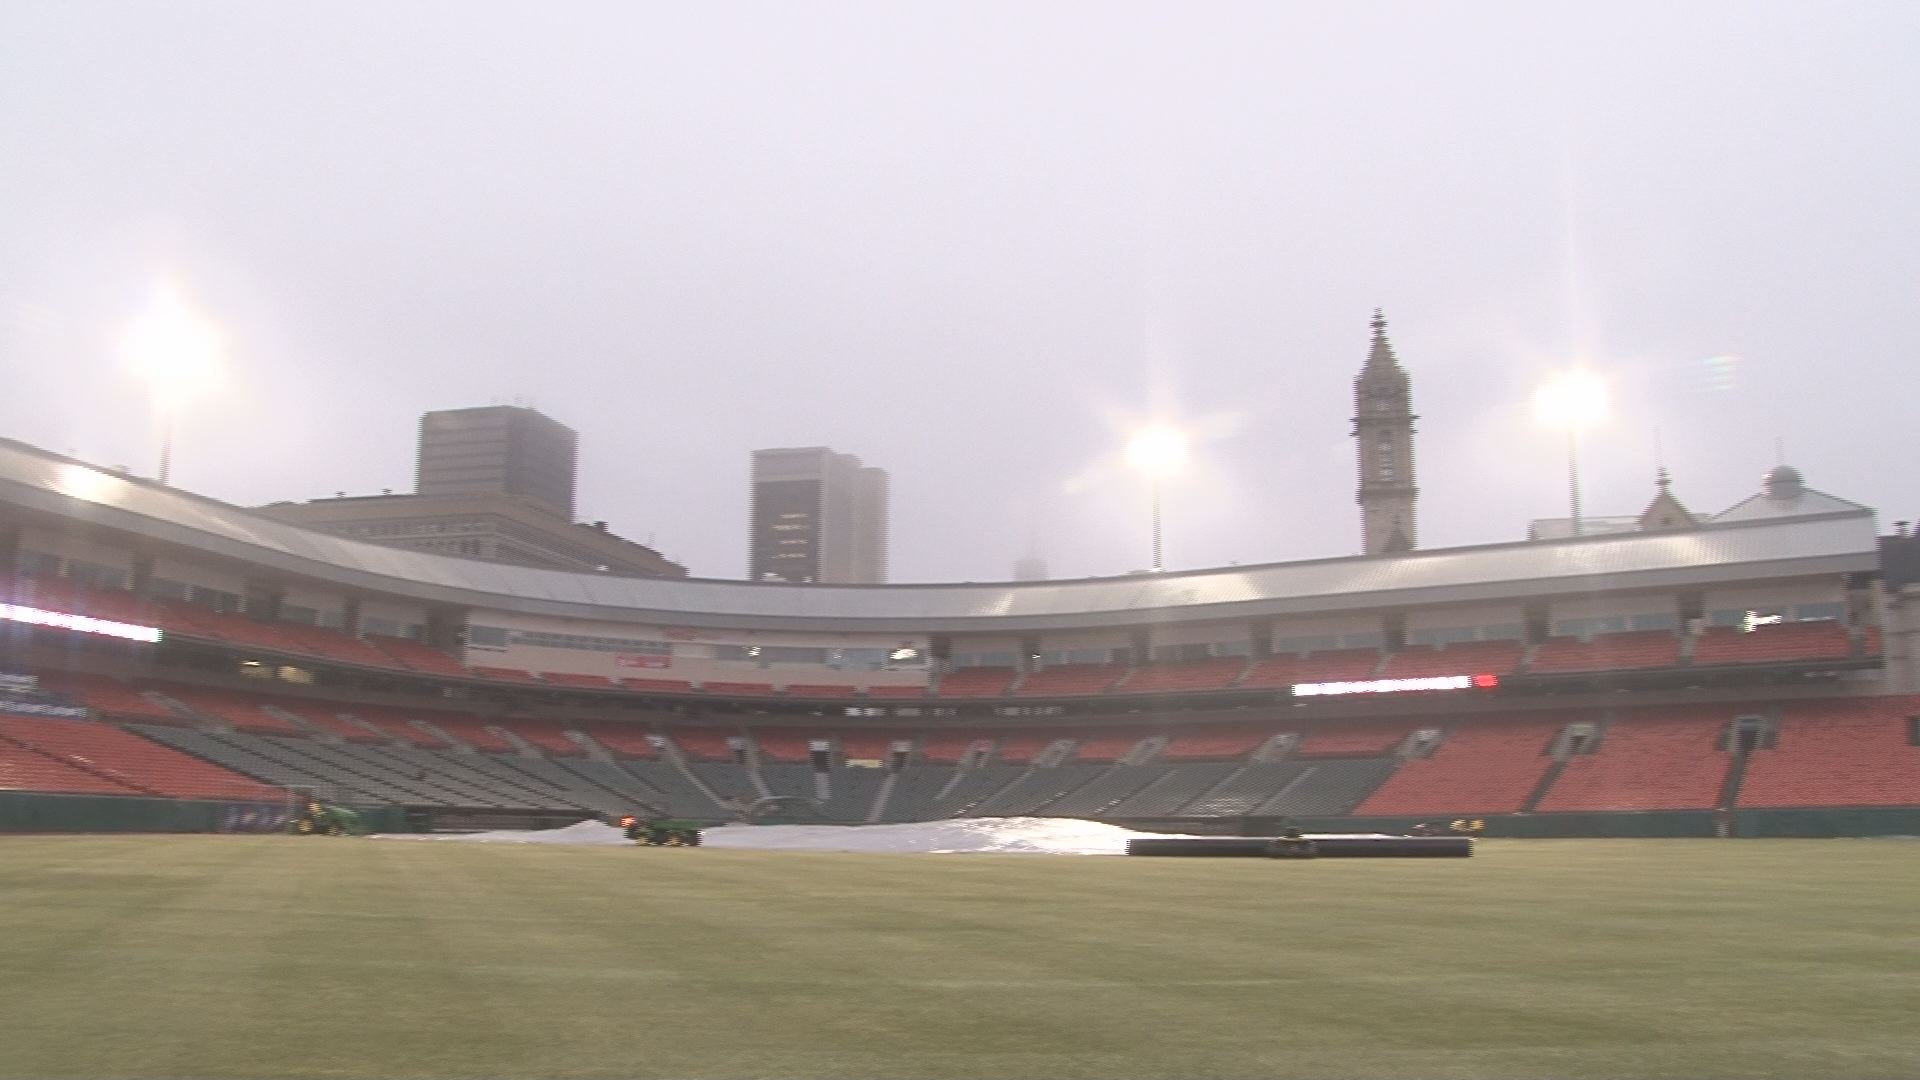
[498,450]
[817,516]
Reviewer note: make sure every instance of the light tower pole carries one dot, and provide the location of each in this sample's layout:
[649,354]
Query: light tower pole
[1576,401]
[1157,452]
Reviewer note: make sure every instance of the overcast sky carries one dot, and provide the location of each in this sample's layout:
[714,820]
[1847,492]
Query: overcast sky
[978,244]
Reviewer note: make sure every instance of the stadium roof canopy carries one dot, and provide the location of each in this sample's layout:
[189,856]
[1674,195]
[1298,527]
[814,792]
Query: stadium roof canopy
[1732,552]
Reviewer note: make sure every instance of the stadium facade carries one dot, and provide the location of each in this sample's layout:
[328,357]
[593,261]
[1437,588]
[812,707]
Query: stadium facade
[1756,654]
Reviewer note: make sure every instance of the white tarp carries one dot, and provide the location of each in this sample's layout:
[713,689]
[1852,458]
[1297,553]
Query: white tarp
[1037,836]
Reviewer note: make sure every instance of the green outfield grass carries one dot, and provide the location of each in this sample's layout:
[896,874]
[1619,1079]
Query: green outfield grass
[280,957]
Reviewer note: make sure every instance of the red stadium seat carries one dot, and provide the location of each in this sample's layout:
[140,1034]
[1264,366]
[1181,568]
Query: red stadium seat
[420,657]
[624,740]
[548,736]
[1461,658]
[1214,744]
[821,690]
[498,674]
[563,678]
[1024,747]
[896,693]
[1838,753]
[707,744]
[1648,759]
[123,763]
[1358,739]
[471,730]
[243,711]
[778,745]
[867,746]
[1279,672]
[945,748]
[657,686]
[738,689]
[1635,649]
[1782,643]
[1070,680]
[1216,674]
[977,682]
[1106,747]
[1481,768]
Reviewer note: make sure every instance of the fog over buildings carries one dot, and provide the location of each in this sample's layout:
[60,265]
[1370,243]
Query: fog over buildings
[979,246]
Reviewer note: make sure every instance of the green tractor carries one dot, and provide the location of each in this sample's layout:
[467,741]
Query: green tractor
[323,819]
[664,832]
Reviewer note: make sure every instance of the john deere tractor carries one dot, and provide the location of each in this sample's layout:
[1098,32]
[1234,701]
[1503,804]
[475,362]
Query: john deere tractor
[663,832]
[323,819]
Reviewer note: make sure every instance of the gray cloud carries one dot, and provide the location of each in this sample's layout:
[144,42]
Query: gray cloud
[972,243]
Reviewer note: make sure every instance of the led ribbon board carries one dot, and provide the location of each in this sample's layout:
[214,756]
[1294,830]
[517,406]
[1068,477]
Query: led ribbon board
[1395,686]
[60,620]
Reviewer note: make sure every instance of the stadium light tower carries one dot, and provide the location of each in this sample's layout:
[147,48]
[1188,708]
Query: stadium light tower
[1576,401]
[1157,452]
[178,353]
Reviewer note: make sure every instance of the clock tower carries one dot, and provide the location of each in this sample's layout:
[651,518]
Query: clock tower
[1383,425]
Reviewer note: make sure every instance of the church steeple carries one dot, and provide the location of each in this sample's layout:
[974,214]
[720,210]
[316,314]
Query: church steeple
[1383,423]
[1665,511]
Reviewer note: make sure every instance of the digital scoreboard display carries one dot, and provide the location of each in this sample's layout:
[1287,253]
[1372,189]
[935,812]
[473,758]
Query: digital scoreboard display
[1482,681]
[60,620]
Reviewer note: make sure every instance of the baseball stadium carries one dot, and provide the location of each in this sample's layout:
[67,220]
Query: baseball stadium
[1676,752]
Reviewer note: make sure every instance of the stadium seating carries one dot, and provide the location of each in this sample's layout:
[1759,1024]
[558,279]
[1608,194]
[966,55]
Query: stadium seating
[1216,674]
[471,730]
[657,686]
[1106,747]
[1840,753]
[1175,788]
[624,740]
[1021,748]
[1070,680]
[564,678]
[547,737]
[243,711]
[974,787]
[914,792]
[1634,649]
[1781,643]
[1247,790]
[1105,791]
[327,718]
[1279,672]
[1035,789]
[499,674]
[335,645]
[897,693]
[26,769]
[707,744]
[821,690]
[394,724]
[110,698]
[1647,759]
[867,745]
[134,764]
[1329,788]
[852,793]
[738,689]
[1464,658]
[1214,744]
[1480,768]
[778,745]
[946,747]
[417,656]
[1365,738]
[977,682]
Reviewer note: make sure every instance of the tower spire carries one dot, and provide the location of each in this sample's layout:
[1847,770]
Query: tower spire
[1383,427]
